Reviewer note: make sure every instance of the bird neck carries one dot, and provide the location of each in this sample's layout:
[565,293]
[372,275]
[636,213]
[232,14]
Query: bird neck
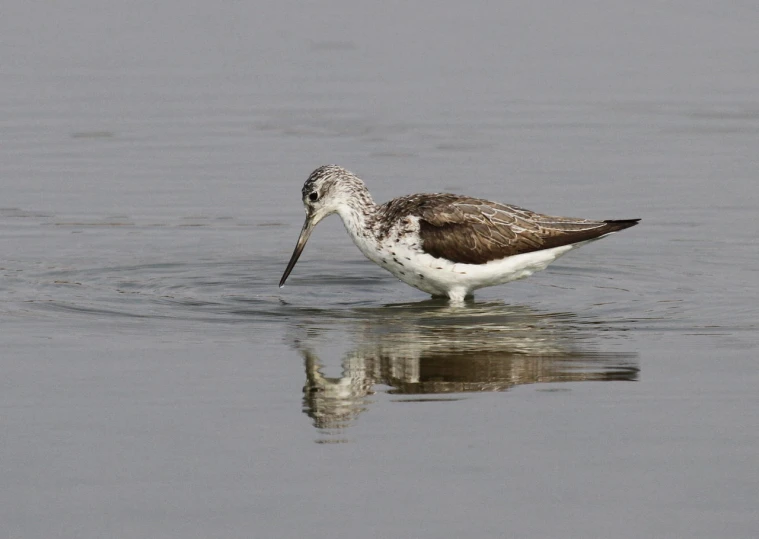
[359,215]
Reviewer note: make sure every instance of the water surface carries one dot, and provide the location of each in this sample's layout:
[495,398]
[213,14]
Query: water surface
[157,383]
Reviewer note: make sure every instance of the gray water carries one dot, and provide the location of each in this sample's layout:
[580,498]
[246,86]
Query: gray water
[155,382]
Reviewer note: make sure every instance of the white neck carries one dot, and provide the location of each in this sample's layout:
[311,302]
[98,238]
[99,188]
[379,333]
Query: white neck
[358,222]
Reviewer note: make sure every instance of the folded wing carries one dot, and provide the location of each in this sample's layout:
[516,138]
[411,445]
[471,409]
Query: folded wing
[474,231]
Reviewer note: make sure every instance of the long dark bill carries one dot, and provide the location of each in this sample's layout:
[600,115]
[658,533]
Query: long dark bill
[308,227]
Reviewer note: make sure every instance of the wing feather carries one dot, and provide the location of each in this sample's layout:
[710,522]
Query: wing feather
[474,231]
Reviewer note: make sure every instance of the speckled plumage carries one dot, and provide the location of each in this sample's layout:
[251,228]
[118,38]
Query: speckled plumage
[440,243]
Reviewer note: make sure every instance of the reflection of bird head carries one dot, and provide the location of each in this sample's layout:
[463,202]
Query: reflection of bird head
[333,403]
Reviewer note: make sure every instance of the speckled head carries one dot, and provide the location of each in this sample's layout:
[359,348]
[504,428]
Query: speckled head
[323,178]
[329,189]
[329,186]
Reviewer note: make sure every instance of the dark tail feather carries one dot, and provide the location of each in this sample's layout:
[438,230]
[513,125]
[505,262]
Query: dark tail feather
[613,225]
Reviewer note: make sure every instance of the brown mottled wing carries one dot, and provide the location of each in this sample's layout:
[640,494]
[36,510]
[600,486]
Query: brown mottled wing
[473,231]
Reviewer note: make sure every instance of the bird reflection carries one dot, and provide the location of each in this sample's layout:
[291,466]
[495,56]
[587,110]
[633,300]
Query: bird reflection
[424,349]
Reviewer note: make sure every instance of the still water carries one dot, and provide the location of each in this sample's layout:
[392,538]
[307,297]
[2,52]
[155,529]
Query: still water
[157,383]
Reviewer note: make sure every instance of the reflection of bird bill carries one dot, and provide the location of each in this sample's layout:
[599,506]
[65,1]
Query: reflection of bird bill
[428,352]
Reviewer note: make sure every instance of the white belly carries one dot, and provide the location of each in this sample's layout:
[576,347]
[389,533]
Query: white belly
[440,277]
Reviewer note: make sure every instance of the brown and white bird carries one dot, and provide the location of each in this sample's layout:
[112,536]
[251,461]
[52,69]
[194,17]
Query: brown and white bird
[443,244]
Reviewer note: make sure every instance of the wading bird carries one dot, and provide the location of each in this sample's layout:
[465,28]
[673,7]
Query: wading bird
[443,244]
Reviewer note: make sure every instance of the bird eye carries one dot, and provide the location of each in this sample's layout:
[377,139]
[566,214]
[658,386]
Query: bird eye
[313,197]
